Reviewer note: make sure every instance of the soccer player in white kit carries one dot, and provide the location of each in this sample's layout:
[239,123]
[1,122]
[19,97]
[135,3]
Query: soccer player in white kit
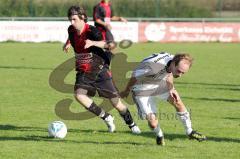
[154,78]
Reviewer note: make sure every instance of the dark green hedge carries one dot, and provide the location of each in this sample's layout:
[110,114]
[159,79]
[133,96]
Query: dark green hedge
[126,8]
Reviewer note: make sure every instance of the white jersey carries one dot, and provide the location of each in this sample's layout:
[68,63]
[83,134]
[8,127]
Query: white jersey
[151,75]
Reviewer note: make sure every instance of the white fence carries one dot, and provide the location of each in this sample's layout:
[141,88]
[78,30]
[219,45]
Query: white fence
[202,31]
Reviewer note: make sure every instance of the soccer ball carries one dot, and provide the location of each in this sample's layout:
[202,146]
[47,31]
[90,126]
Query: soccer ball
[57,129]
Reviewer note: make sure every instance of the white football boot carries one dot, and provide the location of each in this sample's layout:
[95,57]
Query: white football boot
[135,129]
[110,124]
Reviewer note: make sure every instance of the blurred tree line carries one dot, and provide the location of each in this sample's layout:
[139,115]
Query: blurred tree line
[126,8]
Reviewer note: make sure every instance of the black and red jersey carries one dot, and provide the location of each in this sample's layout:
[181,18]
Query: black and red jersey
[78,43]
[104,12]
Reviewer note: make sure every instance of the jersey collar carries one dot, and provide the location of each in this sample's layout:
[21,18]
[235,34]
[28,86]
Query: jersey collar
[167,66]
[85,27]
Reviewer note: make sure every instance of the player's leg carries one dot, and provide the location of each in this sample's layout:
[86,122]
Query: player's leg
[82,97]
[182,113]
[107,89]
[154,125]
[125,114]
[184,117]
[147,110]
[83,89]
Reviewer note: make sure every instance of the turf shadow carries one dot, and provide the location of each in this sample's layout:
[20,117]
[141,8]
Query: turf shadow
[172,137]
[207,84]
[21,128]
[168,136]
[24,68]
[50,139]
[214,99]
[225,87]
[223,139]
[232,118]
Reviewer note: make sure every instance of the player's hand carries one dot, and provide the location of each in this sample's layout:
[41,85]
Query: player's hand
[174,95]
[66,47]
[108,26]
[123,20]
[124,93]
[88,43]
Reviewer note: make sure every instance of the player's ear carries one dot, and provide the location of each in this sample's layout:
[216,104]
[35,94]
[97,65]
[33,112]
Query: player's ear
[82,17]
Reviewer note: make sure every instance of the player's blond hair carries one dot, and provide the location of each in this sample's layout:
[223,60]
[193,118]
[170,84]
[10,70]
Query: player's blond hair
[178,57]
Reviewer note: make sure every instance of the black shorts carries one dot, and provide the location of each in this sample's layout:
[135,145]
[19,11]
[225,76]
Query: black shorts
[102,83]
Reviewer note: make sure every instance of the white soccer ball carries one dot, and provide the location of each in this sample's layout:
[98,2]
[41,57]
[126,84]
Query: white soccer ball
[57,129]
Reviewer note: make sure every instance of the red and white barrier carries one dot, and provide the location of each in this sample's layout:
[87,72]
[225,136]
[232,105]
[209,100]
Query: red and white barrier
[42,31]
[189,32]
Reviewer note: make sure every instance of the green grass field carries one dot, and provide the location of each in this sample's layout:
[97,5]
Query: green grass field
[211,91]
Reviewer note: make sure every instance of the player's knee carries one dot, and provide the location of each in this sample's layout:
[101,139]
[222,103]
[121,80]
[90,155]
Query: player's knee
[152,121]
[80,97]
[152,124]
[117,103]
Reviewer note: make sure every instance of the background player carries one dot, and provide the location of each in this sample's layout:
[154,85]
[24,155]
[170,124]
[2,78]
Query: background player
[102,16]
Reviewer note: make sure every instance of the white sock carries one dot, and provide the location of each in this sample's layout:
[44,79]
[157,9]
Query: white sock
[158,131]
[185,118]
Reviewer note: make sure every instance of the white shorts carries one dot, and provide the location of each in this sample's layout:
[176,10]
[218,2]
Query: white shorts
[147,104]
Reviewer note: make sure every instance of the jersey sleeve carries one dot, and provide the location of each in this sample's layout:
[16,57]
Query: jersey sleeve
[146,69]
[143,70]
[97,12]
[70,29]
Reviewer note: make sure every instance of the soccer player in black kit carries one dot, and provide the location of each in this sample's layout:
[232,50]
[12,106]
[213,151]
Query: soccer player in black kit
[93,58]
[102,16]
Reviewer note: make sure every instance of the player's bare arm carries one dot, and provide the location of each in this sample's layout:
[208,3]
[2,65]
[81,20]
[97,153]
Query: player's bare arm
[67,46]
[116,18]
[170,81]
[100,44]
[126,92]
[172,90]
[106,25]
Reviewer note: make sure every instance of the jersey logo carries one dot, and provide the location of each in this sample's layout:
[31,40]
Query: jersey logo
[155,55]
[158,59]
[83,55]
[150,57]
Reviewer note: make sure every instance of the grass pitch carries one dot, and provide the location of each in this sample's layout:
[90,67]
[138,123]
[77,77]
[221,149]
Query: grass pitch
[211,91]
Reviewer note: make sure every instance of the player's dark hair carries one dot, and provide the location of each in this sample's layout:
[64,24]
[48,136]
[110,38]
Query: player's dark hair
[77,10]
[178,57]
